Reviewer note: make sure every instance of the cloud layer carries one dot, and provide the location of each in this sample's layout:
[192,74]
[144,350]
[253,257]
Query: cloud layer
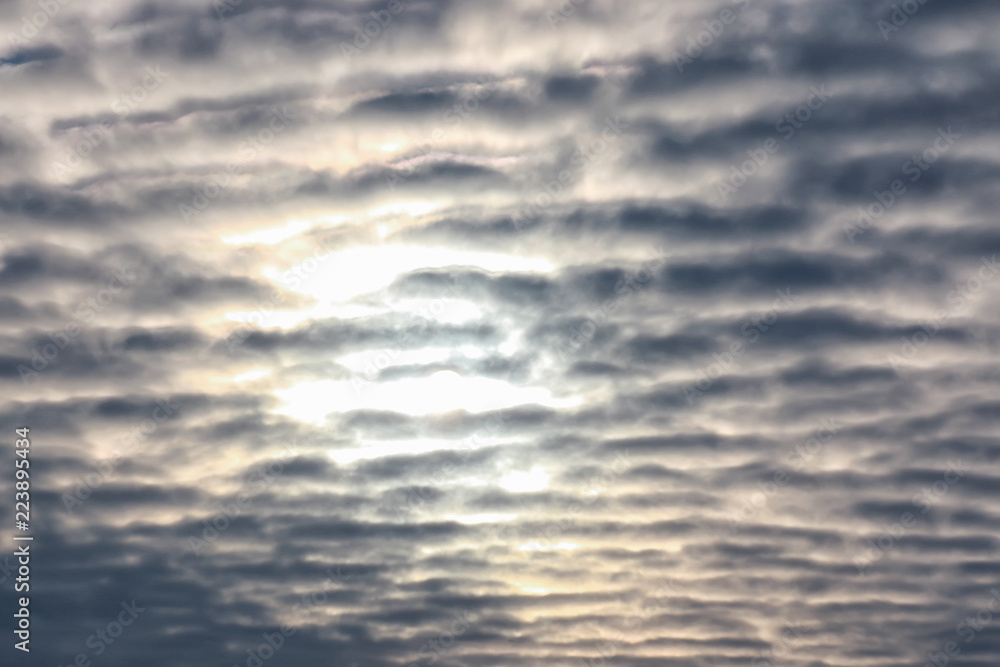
[424,332]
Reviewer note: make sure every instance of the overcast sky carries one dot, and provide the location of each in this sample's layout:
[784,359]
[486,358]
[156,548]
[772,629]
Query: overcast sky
[502,333]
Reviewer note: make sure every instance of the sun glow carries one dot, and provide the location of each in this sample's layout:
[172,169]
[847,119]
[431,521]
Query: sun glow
[442,392]
[525,482]
[369,449]
[250,376]
[349,273]
[268,236]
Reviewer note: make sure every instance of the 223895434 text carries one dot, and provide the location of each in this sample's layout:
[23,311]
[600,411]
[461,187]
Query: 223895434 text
[22,553]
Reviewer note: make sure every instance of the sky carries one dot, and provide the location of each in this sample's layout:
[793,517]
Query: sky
[501,334]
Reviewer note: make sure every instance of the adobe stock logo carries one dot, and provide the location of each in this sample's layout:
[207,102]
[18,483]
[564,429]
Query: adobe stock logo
[208,191]
[433,649]
[796,460]
[266,649]
[915,168]
[752,330]
[924,501]
[899,17]
[90,138]
[786,126]
[30,26]
[371,29]
[45,353]
[582,157]
[967,630]
[561,15]
[713,30]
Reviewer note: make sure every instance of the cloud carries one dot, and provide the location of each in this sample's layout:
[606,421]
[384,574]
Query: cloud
[651,482]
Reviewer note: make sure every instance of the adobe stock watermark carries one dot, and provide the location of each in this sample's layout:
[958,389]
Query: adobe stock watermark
[273,641]
[595,148]
[786,126]
[376,362]
[405,502]
[547,537]
[796,460]
[704,39]
[290,280]
[433,649]
[246,151]
[85,313]
[966,631]
[791,635]
[364,34]
[929,329]
[899,17]
[257,481]
[85,486]
[106,636]
[225,7]
[559,16]
[454,116]
[257,317]
[652,603]
[93,137]
[915,168]
[623,289]
[924,500]
[32,25]
[310,602]
[752,330]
